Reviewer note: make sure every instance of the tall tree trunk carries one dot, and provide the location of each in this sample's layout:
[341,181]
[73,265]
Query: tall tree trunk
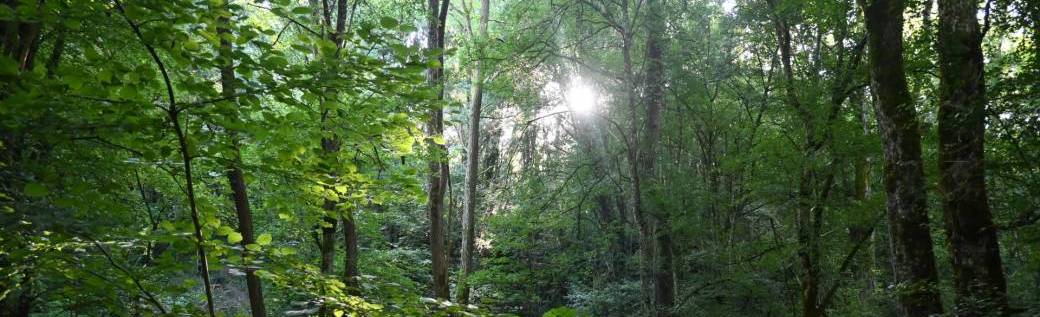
[645,240]
[472,161]
[862,266]
[350,235]
[663,273]
[438,167]
[914,261]
[173,114]
[236,178]
[977,269]
[330,147]
[808,248]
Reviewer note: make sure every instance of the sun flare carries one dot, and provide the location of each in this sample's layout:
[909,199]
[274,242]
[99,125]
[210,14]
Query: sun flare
[580,98]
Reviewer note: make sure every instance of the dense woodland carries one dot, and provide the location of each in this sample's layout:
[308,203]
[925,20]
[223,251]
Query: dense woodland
[520,158]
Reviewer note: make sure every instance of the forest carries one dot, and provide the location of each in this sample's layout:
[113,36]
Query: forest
[554,158]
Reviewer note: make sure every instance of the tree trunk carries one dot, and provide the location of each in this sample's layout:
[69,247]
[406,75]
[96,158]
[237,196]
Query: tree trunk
[472,163]
[330,148]
[661,261]
[350,260]
[236,179]
[977,269]
[173,114]
[862,266]
[914,261]
[328,238]
[327,246]
[438,167]
[807,242]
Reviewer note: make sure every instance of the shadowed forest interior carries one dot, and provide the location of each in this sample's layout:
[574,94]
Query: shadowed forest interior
[556,158]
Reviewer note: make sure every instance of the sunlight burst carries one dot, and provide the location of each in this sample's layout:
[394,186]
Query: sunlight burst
[581,98]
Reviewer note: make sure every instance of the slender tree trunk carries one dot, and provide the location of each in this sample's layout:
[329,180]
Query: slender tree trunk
[438,167]
[182,140]
[236,178]
[645,245]
[978,273]
[56,52]
[914,261]
[350,235]
[807,242]
[808,249]
[472,162]
[861,266]
[330,147]
[350,261]
[327,246]
[663,272]
[173,114]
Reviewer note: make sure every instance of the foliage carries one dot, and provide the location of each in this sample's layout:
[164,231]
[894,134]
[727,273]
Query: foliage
[102,104]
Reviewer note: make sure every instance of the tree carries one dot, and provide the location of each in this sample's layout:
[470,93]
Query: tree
[910,235]
[473,158]
[807,215]
[662,261]
[631,158]
[978,271]
[438,168]
[236,178]
[173,113]
[331,145]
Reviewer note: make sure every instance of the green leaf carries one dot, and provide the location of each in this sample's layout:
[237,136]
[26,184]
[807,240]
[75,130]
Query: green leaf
[234,237]
[225,230]
[286,251]
[253,247]
[388,22]
[36,190]
[212,222]
[264,239]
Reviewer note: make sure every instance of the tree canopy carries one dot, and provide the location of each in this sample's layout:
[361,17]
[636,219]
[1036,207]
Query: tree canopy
[520,158]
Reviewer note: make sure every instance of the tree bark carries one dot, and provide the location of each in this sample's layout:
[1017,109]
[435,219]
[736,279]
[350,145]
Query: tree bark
[472,162]
[438,167]
[974,249]
[663,272]
[910,239]
[236,178]
[350,260]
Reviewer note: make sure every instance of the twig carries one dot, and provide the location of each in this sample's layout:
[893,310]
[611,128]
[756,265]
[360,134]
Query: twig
[133,278]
